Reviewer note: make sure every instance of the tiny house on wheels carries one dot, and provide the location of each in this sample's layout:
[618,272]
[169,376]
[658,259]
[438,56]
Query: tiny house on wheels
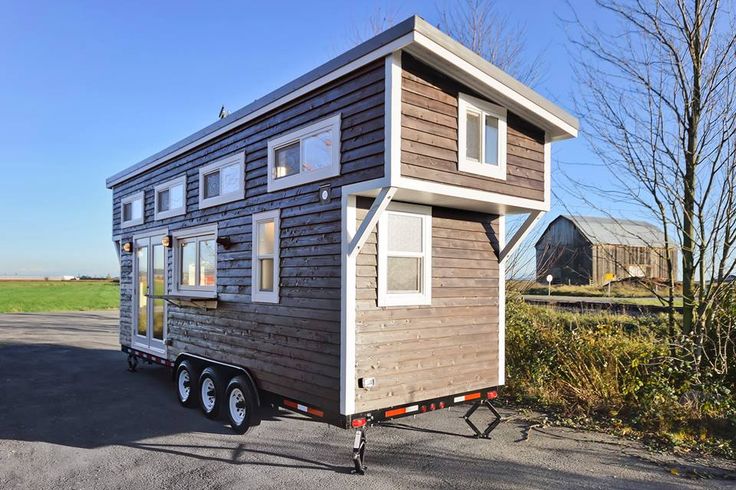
[337,247]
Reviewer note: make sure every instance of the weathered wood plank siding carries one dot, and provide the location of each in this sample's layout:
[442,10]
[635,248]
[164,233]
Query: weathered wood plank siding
[291,347]
[421,352]
[429,138]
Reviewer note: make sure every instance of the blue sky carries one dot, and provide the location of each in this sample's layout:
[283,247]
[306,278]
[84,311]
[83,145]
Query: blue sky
[89,88]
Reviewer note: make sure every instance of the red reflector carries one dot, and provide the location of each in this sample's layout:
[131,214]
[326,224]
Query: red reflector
[423,408]
[442,404]
[358,422]
[492,395]
[290,404]
[432,406]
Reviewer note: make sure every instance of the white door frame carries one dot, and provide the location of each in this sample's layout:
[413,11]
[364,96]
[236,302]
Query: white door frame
[148,343]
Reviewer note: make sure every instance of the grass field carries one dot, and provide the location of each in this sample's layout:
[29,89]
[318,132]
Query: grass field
[34,296]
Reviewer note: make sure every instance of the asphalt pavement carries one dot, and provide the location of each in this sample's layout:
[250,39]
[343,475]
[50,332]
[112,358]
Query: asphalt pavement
[72,416]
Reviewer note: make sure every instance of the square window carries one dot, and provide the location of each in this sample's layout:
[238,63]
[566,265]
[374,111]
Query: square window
[195,256]
[482,137]
[222,181]
[170,198]
[306,155]
[131,210]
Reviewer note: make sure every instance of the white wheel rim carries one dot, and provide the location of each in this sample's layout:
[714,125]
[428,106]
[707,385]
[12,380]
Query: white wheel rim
[208,394]
[237,406]
[184,385]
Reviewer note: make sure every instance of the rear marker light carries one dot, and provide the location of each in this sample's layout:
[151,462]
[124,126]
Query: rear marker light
[492,395]
[442,404]
[432,406]
[358,423]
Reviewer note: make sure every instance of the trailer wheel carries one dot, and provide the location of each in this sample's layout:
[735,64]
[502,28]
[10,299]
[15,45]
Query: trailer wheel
[210,392]
[186,383]
[241,404]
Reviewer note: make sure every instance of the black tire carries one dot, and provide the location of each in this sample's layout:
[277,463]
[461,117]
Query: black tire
[186,383]
[211,392]
[241,404]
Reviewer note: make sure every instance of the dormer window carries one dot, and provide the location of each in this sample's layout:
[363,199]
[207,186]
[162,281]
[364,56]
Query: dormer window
[481,137]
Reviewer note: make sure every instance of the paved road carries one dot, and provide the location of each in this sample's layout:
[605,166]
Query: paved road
[71,416]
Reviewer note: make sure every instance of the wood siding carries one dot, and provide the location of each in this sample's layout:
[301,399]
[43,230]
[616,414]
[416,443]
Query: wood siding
[429,150]
[421,352]
[292,347]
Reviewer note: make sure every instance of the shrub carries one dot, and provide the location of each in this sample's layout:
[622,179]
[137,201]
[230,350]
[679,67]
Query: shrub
[616,370]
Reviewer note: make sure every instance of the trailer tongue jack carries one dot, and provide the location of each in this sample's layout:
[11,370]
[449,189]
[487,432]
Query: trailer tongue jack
[359,452]
[494,423]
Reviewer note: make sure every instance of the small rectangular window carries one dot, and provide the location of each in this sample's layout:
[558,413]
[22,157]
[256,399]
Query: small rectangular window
[195,257]
[306,155]
[222,181]
[404,255]
[170,198]
[481,137]
[265,274]
[131,210]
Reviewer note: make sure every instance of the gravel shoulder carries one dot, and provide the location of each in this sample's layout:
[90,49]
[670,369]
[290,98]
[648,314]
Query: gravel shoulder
[71,415]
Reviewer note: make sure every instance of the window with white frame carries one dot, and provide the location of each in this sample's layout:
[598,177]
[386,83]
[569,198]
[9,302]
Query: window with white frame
[222,181]
[195,259]
[405,255]
[131,210]
[305,155]
[481,137]
[170,198]
[265,263]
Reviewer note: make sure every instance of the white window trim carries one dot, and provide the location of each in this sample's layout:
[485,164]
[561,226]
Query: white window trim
[181,180]
[405,299]
[199,291]
[331,123]
[485,108]
[129,199]
[258,296]
[239,193]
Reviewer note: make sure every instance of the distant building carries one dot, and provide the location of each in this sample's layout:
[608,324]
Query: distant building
[593,250]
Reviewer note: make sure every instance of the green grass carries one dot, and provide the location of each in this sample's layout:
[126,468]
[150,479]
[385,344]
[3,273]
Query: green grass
[34,296]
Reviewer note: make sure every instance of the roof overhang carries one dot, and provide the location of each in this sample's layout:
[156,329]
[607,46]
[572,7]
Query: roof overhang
[420,39]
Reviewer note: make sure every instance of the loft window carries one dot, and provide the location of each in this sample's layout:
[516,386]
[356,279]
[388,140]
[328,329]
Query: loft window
[170,198]
[195,257]
[131,210]
[404,255]
[222,181]
[265,260]
[305,155]
[481,137]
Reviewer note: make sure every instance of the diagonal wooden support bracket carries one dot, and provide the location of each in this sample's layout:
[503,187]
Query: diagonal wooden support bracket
[377,208]
[520,234]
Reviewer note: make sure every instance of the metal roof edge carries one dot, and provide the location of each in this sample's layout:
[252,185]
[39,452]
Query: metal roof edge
[408,26]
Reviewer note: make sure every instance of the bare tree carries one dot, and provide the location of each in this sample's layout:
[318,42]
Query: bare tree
[491,33]
[659,100]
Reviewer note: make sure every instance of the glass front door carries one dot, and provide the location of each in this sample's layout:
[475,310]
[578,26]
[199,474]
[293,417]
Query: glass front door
[149,308]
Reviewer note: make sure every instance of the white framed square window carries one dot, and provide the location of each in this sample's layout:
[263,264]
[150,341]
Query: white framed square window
[170,198]
[481,137]
[265,275]
[222,181]
[405,255]
[305,155]
[131,209]
[195,261]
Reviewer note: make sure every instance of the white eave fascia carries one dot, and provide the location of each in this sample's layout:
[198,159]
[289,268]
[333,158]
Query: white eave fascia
[418,38]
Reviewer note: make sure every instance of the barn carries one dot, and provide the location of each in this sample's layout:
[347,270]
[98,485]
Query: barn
[597,250]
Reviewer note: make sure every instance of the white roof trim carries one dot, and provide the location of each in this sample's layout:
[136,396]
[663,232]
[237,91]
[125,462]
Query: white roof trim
[418,38]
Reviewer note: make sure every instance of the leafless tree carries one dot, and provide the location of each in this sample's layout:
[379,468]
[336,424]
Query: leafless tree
[659,101]
[483,27]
